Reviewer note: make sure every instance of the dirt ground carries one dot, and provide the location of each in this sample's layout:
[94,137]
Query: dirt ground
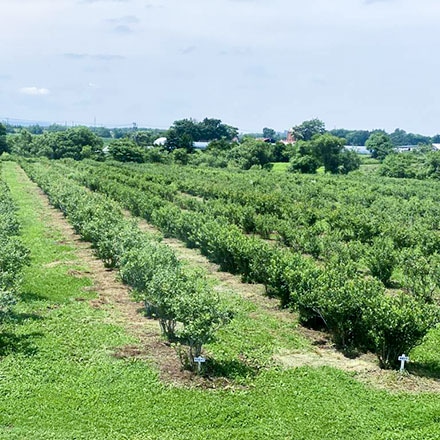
[115,296]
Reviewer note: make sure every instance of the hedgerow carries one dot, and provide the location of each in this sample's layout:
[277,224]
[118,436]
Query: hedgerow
[13,254]
[148,266]
[339,242]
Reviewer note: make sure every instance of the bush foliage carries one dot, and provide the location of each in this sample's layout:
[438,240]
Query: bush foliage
[13,254]
[327,247]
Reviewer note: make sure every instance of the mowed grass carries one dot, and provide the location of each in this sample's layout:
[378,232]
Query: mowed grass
[280,167]
[59,380]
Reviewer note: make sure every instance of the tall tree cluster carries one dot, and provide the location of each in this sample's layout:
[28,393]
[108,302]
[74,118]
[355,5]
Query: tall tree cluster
[3,143]
[323,150]
[77,143]
[184,132]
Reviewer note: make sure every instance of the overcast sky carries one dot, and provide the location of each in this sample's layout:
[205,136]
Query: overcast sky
[356,64]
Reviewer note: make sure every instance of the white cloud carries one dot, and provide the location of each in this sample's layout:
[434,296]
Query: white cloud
[34,91]
[251,63]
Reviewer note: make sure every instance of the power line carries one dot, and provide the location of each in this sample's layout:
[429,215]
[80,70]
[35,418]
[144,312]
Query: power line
[21,121]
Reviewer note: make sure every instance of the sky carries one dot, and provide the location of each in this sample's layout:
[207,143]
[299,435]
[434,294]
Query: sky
[354,64]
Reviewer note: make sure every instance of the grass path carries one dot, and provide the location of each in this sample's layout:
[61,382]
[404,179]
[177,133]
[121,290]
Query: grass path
[59,378]
[110,293]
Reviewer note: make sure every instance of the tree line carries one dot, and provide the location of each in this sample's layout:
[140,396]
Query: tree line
[211,128]
[224,148]
[315,147]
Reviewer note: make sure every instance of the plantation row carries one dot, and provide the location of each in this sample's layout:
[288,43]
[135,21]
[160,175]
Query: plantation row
[281,194]
[407,248]
[353,306]
[13,254]
[306,212]
[187,308]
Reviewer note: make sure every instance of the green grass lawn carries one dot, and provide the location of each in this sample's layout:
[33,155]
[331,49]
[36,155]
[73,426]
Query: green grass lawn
[280,167]
[59,380]
[368,165]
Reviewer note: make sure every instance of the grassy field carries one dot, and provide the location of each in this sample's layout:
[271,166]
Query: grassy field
[280,167]
[60,380]
[368,165]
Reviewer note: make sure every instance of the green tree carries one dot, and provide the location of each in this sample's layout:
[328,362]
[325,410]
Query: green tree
[249,153]
[380,145]
[279,152]
[303,158]
[155,155]
[399,137]
[432,164]
[76,143]
[340,132]
[353,137]
[211,129]
[56,128]
[405,165]
[219,145]
[21,143]
[357,137]
[304,164]
[35,129]
[348,161]
[416,139]
[328,150]
[173,140]
[180,156]
[3,144]
[143,138]
[269,133]
[126,150]
[189,127]
[207,130]
[42,145]
[102,132]
[187,143]
[307,129]
[119,133]
[182,135]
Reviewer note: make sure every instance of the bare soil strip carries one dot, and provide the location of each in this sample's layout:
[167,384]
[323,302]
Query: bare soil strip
[115,296]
